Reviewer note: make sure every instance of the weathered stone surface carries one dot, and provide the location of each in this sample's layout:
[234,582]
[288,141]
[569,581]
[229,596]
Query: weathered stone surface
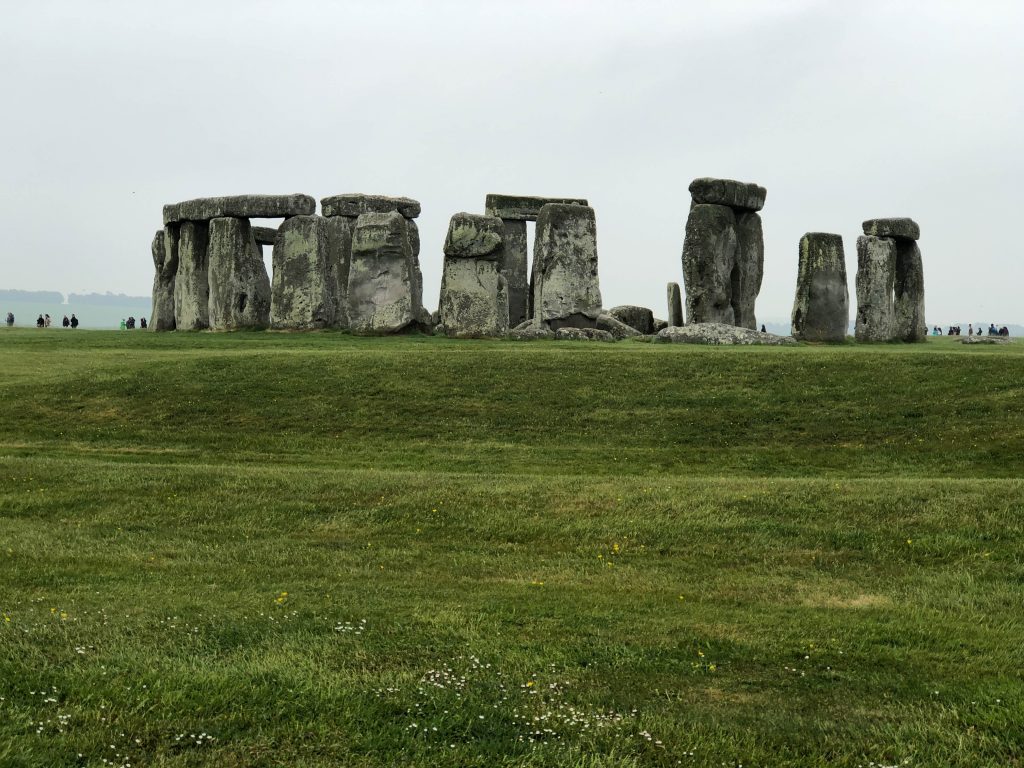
[240,206]
[381,276]
[356,204]
[985,340]
[424,318]
[659,325]
[239,286]
[165,264]
[906,229]
[908,288]
[264,235]
[515,268]
[614,326]
[876,273]
[749,268]
[471,236]
[821,308]
[303,297]
[735,194]
[583,334]
[522,207]
[720,334]
[530,333]
[565,280]
[474,293]
[641,319]
[675,306]
[339,259]
[709,260]
[192,283]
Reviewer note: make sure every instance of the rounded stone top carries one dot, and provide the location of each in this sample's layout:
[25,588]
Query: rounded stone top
[904,228]
[735,194]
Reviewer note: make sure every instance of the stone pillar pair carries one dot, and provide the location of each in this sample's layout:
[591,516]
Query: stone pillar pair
[723,252]
[890,282]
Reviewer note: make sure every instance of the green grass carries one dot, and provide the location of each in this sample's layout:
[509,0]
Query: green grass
[322,550]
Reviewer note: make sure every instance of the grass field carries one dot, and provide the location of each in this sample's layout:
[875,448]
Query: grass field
[316,550]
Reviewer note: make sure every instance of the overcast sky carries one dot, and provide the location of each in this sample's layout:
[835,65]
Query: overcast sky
[843,110]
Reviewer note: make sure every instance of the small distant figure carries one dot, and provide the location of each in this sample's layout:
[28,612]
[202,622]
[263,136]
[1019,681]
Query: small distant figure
[142,323]
[65,322]
[123,324]
[763,329]
[992,330]
[47,322]
[74,321]
[970,329]
[10,319]
[40,322]
[1004,331]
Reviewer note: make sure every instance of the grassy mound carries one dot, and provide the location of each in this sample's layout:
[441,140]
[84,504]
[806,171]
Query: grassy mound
[282,549]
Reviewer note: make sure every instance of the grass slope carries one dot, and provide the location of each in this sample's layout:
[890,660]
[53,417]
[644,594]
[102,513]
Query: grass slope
[277,549]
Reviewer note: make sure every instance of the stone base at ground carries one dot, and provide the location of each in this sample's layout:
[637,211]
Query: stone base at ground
[720,334]
[583,334]
[530,333]
[985,340]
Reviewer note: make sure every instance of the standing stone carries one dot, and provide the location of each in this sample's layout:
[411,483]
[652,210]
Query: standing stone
[566,289]
[422,316]
[381,275]
[239,286]
[675,306]
[876,272]
[909,322]
[339,259]
[749,268]
[821,309]
[474,293]
[192,283]
[302,295]
[165,263]
[709,261]
[514,267]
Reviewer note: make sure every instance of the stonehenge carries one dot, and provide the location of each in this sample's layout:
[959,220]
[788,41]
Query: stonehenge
[723,252]
[821,309]
[355,266]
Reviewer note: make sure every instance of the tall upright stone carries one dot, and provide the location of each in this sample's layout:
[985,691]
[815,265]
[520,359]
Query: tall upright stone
[748,269]
[821,308]
[302,297]
[165,263]
[192,282]
[515,268]
[909,322]
[239,286]
[381,275]
[566,287]
[876,273]
[675,306]
[474,293]
[339,259]
[709,264]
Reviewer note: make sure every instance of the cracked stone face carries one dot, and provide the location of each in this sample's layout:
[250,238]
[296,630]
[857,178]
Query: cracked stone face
[381,275]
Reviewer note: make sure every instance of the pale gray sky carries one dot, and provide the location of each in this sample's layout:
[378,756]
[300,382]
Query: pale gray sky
[843,110]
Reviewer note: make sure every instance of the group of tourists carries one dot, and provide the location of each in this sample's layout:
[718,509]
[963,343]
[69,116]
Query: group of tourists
[954,330]
[129,323]
[44,321]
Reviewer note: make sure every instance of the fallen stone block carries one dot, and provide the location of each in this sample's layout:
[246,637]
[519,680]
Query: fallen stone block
[640,319]
[720,334]
[735,194]
[240,206]
[356,204]
[583,334]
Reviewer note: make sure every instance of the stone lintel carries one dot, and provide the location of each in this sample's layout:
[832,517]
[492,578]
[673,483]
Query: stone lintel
[904,229]
[356,204]
[524,208]
[264,235]
[735,194]
[241,207]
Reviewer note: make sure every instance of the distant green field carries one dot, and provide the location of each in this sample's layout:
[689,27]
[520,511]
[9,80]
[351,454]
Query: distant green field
[275,549]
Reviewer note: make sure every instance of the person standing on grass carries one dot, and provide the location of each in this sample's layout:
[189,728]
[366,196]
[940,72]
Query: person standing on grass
[10,319]
[74,321]
[40,322]
[47,321]
[123,324]
[65,322]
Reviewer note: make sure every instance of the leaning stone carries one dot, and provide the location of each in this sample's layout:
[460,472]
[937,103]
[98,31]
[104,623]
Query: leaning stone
[524,208]
[583,334]
[339,259]
[720,334]
[240,206]
[515,268]
[908,306]
[565,279]
[474,293]
[192,282]
[749,268]
[906,229]
[264,235]
[876,273]
[356,204]
[614,326]
[735,194]
[239,286]
[709,256]
[303,297]
[471,236]
[821,308]
[381,277]
[675,306]
[641,319]
[165,264]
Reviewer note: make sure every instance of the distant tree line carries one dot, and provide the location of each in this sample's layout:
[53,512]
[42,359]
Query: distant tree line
[108,299]
[49,297]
